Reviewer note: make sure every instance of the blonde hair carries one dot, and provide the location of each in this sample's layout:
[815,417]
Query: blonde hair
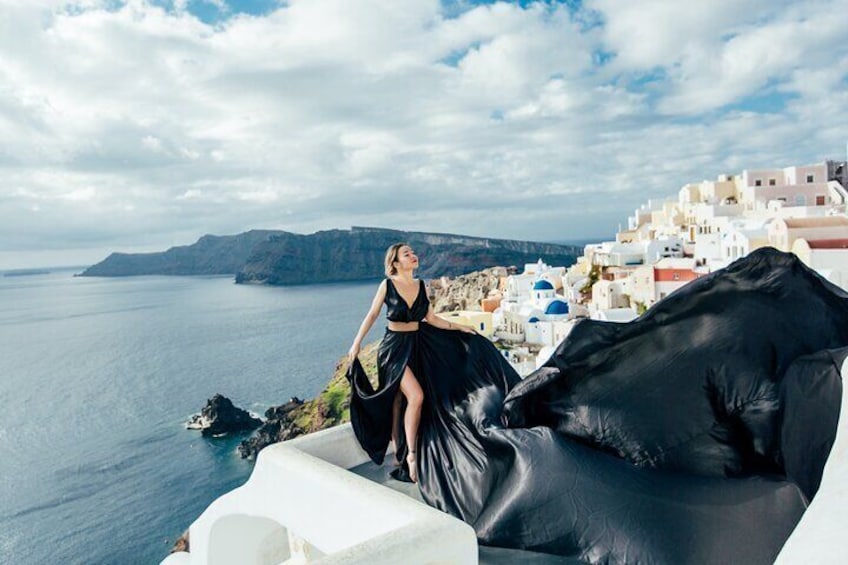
[391,257]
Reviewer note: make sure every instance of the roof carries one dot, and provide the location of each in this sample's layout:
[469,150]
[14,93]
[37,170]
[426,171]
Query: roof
[542,284]
[619,314]
[828,243]
[557,307]
[677,263]
[675,275]
[816,222]
[749,224]
[533,320]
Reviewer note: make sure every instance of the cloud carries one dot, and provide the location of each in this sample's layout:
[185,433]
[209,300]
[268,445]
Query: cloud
[712,54]
[130,124]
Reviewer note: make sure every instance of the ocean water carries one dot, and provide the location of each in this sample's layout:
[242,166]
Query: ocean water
[98,376]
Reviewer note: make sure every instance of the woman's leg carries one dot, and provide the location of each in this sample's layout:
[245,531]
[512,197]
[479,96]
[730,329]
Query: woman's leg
[414,398]
[396,405]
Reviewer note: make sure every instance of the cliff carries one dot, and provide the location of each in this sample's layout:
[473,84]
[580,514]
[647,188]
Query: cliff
[356,254]
[465,291]
[210,255]
[280,258]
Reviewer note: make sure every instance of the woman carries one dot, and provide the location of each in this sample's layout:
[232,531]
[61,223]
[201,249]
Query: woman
[407,305]
[695,434]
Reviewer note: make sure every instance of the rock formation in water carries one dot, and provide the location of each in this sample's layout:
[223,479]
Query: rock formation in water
[220,416]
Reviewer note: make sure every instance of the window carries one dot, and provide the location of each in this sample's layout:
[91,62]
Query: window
[482,326]
[800,200]
[820,200]
[758,182]
[810,178]
[772,182]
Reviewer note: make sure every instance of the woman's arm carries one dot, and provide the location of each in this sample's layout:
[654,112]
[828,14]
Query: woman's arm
[441,323]
[368,321]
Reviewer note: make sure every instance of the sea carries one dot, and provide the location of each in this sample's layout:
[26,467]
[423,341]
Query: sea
[98,377]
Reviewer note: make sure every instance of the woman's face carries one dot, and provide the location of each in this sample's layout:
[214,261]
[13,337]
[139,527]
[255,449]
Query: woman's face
[407,260]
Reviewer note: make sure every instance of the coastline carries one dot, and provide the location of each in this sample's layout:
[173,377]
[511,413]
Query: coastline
[329,408]
[296,417]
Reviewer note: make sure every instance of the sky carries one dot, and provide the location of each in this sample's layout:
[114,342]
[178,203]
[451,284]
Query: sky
[142,124]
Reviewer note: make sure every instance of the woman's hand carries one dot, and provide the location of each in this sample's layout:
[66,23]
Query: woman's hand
[353,352]
[466,329]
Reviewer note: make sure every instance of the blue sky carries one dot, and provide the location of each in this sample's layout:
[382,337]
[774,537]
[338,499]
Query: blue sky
[140,124]
[213,12]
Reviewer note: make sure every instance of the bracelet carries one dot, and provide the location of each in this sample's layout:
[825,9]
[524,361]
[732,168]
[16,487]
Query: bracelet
[450,326]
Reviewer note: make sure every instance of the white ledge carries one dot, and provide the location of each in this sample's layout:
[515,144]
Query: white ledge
[301,505]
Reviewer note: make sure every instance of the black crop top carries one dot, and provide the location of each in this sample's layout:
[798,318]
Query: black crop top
[397,310]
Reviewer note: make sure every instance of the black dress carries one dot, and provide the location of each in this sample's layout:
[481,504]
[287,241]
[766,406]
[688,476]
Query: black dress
[694,434]
[438,360]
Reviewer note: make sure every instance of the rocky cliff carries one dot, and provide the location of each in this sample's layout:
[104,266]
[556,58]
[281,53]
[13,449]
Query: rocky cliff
[356,254]
[466,291]
[279,258]
[210,255]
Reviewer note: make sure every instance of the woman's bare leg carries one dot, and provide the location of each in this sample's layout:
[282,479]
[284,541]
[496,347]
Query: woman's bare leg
[414,399]
[396,426]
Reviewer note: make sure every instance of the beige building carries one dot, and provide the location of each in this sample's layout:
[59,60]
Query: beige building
[796,186]
[480,321]
[828,257]
[724,190]
[783,232]
[651,283]
[643,286]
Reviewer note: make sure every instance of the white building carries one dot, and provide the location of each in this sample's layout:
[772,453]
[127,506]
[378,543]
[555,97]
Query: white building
[543,292]
[520,359]
[552,326]
[828,257]
[518,286]
[609,294]
[742,237]
[656,249]
[618,315]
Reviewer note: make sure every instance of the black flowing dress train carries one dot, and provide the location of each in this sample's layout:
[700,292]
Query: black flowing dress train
[694,434]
